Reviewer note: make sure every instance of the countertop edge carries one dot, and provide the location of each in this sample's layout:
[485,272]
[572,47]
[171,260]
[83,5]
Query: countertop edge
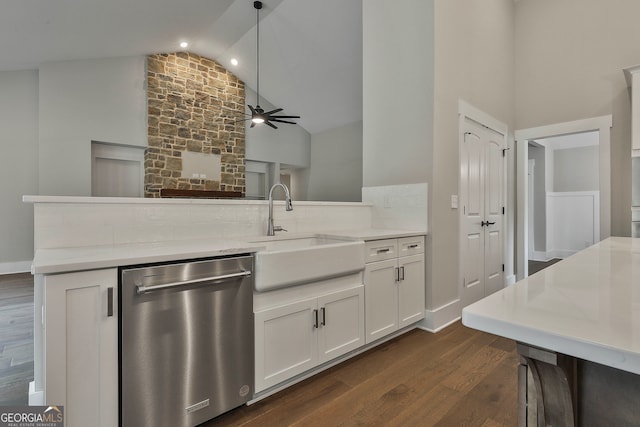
[571,346]
[65,260]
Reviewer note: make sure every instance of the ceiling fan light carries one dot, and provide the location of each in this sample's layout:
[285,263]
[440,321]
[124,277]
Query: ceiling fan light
[258,119]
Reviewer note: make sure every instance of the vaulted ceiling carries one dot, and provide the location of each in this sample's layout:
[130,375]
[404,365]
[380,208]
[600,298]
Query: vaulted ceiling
[310,51]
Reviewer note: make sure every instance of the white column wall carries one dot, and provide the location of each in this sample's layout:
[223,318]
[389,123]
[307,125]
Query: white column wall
[336,164]
[397,107]
[18,167]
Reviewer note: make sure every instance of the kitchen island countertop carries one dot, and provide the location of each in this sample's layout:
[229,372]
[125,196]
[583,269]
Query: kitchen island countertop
[586,306]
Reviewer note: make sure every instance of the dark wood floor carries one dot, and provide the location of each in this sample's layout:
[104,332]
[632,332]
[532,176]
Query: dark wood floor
[16,338]
[457,377]
[535,266]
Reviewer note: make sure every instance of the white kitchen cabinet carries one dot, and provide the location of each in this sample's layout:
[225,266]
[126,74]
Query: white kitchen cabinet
[394,285]
[80,346]
[298,336]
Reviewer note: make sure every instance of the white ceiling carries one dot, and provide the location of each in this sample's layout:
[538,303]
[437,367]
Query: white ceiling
[310,51]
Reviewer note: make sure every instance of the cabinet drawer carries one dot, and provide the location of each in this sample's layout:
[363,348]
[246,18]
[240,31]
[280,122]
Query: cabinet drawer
[379,250]
[411,245]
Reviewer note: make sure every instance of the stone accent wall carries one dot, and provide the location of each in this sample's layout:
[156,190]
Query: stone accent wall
[193,104]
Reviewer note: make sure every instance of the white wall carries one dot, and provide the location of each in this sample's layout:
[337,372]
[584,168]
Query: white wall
[569,62]
[18,167]
[80,101]
[576,169]
[474,62]
[397,78]
[336,164]
[573,221]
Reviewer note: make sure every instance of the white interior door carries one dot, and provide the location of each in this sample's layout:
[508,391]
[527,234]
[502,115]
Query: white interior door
[482,204]
[493,211]
[472,204]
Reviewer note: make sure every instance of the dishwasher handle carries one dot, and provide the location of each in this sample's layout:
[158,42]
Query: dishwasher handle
[141,289]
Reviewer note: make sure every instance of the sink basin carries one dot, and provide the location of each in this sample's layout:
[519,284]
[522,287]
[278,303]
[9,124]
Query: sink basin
[291,261]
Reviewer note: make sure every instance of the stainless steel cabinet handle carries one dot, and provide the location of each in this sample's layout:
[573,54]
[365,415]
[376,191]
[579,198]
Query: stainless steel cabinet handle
[383,251]
[315,319]
[397,274]
[415,245]
[324,317]
[109,302]
[141,289]
[401,273]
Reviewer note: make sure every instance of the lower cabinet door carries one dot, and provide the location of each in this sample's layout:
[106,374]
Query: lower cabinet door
[286,343]
[341,323]
[411,290]
[381,296]
[81,344]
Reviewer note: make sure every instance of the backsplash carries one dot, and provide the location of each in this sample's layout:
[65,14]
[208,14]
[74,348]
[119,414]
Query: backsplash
[62,222]
[398,206]
[196,105]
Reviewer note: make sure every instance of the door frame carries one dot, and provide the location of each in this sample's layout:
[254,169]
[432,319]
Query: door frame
[468,111]
[531,246]
[602,125]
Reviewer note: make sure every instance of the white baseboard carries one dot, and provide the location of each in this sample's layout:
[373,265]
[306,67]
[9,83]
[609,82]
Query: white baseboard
[15,267]
[36,398]
[441,317]
[541,256]
[510,280]
[552,254]
[562,253]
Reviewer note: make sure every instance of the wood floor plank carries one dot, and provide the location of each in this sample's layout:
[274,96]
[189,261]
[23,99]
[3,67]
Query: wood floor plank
[403,383]
[16,338]
[493,398]
[428,408]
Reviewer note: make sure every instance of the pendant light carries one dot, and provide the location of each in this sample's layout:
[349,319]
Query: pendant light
[258,115]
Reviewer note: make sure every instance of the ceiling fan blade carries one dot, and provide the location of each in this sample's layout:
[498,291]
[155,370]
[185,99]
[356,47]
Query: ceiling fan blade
[285,117]
[277,110]
[252,124]
[282,121]
[253,111]
[268,123]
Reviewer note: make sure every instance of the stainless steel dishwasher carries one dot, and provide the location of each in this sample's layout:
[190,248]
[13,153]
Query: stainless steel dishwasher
[186,341]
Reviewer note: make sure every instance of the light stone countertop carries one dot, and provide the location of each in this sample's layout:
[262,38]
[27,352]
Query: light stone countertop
[61,260]
[586,306]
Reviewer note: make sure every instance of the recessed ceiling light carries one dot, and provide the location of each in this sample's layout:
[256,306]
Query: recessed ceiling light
[234,62]
[184,44]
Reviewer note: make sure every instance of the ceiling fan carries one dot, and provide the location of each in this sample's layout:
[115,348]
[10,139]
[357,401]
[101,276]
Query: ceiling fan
[258,115]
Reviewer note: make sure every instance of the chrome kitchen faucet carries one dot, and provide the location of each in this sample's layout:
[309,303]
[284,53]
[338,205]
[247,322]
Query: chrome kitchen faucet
[287,205]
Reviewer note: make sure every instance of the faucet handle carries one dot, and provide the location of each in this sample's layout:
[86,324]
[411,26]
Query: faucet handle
[278,228]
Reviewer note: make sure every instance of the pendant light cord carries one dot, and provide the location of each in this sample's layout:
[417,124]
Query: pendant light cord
[258,6]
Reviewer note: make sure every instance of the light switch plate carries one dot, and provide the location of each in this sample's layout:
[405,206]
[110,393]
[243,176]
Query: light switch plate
[454,201]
